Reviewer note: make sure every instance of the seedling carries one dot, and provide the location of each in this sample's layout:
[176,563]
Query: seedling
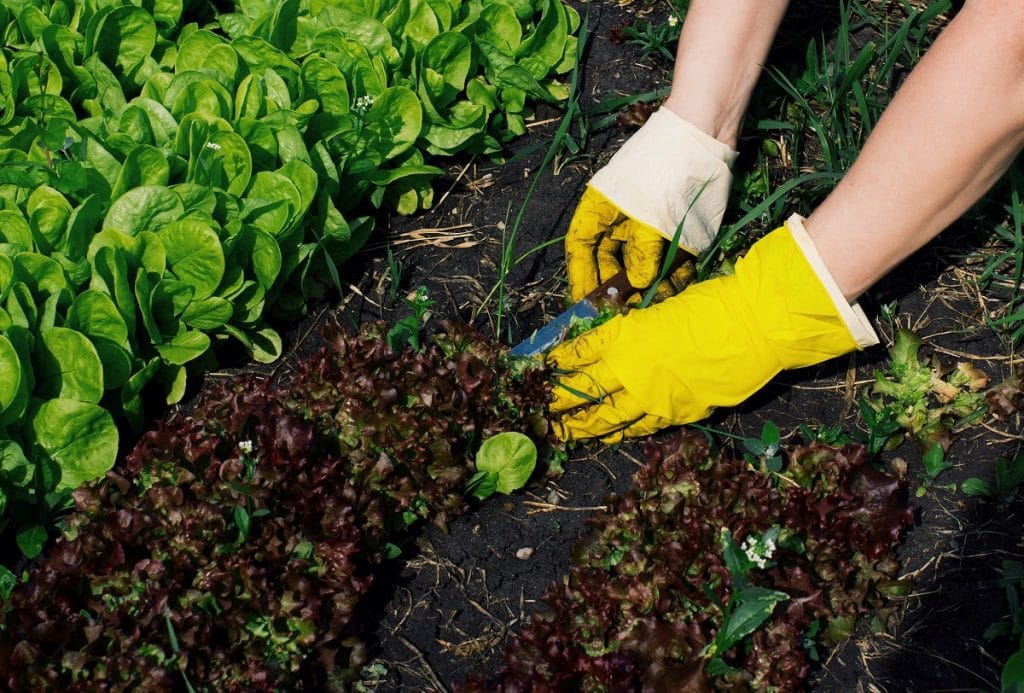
[833,435]
[764,452]
[749,606]
[504,463]
[409,330]
[1011,626]
[1006,487]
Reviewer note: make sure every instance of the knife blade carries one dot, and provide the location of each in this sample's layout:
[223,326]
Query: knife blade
[614,292]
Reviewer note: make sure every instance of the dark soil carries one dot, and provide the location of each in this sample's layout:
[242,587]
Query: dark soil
[456,598]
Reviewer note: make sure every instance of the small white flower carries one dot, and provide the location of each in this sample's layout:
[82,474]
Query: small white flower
[213,145]
[246,446]
[363,104]
[758,550]
[673,20]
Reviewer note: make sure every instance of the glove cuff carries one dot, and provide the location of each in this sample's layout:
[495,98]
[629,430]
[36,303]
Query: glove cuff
[688,167]
[852,314]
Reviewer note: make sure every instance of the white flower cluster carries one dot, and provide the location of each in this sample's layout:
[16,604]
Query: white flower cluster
[246,446]
[759,550]
[363,104]
[673,20]
[213,145]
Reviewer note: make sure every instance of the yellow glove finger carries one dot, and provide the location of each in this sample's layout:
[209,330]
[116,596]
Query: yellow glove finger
[643,426]
[616,413]
[590,386]
[641,253]
[576,354]
[608,258]
[590,222]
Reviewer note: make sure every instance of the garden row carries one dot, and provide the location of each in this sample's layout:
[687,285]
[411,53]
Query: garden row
[172,175]
[233,548]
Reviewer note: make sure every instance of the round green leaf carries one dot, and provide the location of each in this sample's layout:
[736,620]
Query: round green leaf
[185,347]
[10,373]
[225,163]
[146,207]
[395,121]
[6,275]
[67,366]
[326,83]
[193,51]
[266,345]
[271,202]
[194,254]
[14,229]
[266,257]
[510,455]
[208,313]
[42,274]
[125,37]
[31,540]
[21,339]
[144,165]
[80,437]
[94,314]
[117,363]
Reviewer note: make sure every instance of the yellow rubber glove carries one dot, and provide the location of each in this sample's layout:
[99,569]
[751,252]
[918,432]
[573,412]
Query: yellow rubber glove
[666,173]
[714,344]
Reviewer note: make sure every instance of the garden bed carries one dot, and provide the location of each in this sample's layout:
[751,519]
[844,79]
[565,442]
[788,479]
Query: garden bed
[462,594]
[451,601]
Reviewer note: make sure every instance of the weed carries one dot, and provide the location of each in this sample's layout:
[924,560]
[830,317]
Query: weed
[1005,270]
[1006,487]
[409,330]
[571,113]
[833,435]
[1011,626]
[749,606]
[764,453]
[395,270]
[655,38]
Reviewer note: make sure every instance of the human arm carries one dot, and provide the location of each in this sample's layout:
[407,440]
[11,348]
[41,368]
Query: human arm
[681,157]
[950,132]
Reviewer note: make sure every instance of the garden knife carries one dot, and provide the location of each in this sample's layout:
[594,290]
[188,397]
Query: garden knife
[614,292]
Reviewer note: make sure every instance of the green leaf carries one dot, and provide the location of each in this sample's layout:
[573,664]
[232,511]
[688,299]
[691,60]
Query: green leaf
[394,122]
[326,83]
[124,38]
[31,540]
[144,165]
[511,456]
[80,437]
[266,345]
[755,606]
[68,366]
[208,313]
[977,487]
[10,373]
[271,202]
[1012,678]
[242,522]
[148,207]
[7,583]
[95,315]
[194,254]
[185,347]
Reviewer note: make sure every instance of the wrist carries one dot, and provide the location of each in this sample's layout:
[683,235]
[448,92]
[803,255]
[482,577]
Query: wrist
[717,122]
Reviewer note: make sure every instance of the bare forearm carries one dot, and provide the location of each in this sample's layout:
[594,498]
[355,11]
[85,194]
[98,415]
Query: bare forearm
[949,134]
[719,59]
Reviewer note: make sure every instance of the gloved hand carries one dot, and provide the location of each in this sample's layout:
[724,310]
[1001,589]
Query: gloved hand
[714,344]
[668,171]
